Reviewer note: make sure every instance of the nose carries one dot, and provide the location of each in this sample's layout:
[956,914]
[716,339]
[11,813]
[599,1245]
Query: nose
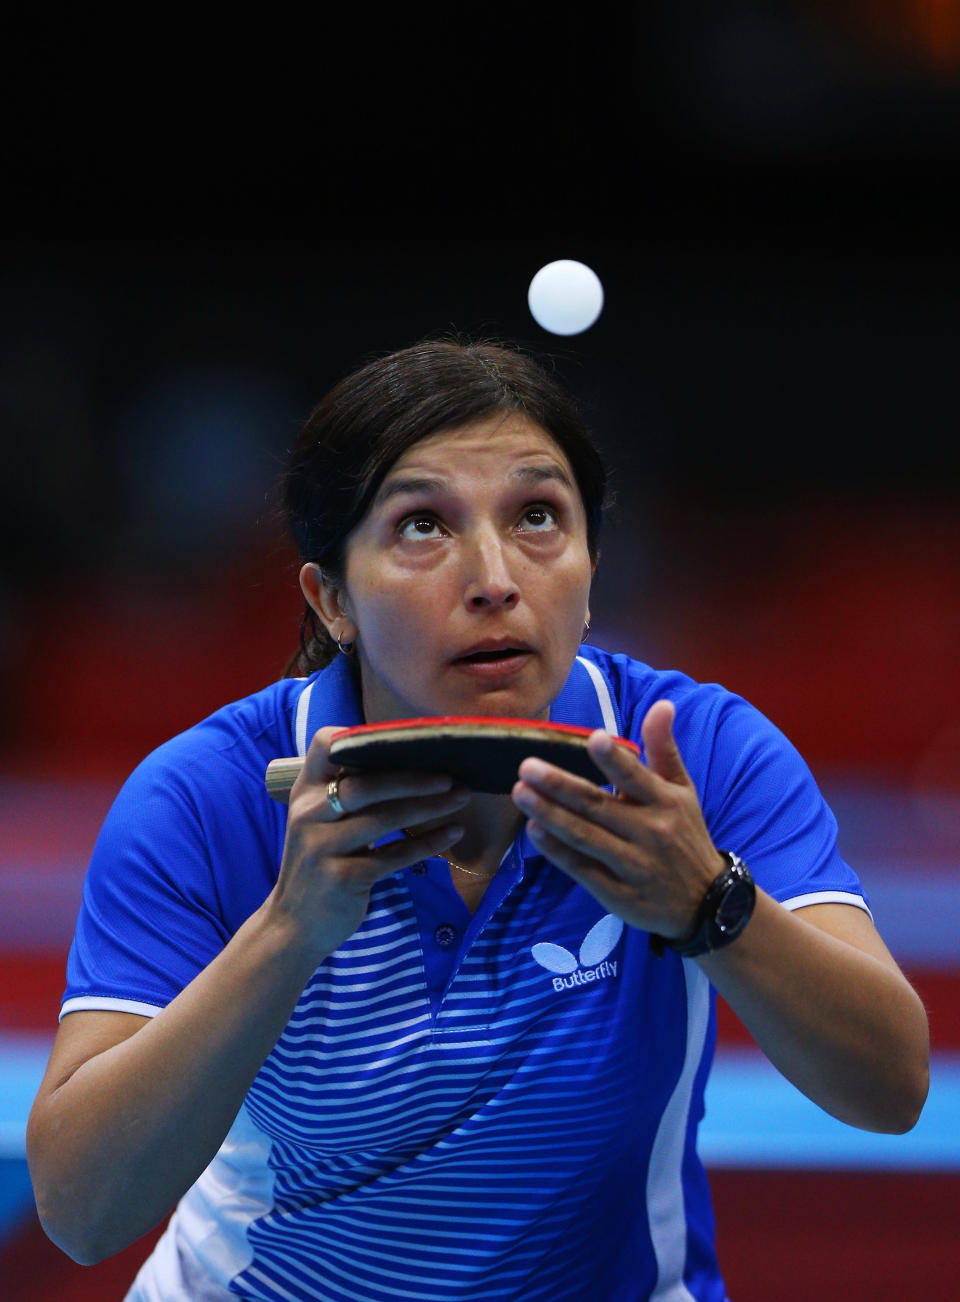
[488,580]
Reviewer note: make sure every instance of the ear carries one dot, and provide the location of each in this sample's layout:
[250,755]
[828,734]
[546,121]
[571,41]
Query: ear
[325,600]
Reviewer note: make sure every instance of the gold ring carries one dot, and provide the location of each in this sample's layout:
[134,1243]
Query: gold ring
[333,798]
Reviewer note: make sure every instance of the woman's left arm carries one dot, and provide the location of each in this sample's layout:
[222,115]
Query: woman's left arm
[817,987]
[822,996]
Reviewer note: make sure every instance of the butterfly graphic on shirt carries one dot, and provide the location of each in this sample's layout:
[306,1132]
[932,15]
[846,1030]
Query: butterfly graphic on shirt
[599,942]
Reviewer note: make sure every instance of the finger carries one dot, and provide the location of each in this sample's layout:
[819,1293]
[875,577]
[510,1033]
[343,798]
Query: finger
[316,765]
[619,765]
[659,745]
[361,791]
[319,768]
[540,782]
[602,884]
[360,870]
[358,830]
[414,846]
[394,856]
[370,812]
[357,791]
[589,830]
[623,768]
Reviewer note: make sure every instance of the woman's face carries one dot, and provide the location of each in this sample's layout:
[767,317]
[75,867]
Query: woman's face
[468,579]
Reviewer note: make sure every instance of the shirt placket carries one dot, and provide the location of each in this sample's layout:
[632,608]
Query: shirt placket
[448,934]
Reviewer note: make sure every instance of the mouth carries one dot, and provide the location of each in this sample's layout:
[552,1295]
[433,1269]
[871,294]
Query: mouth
[489,652]
[493,657]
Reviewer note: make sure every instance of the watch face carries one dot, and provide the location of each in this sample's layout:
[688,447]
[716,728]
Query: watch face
[734,908]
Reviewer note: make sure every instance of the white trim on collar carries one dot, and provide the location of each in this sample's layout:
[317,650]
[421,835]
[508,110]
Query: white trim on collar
[603,695]
[300,721]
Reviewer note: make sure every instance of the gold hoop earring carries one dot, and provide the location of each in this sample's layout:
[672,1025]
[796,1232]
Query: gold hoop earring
[586,630]
[345,648]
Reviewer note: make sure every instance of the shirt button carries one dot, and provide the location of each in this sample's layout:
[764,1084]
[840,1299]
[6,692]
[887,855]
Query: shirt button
[445,935]
[419,870]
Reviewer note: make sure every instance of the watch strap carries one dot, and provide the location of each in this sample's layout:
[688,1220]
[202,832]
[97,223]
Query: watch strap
[707,934]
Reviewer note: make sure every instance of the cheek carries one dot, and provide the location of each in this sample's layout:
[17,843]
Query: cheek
[570,589]
[392,617]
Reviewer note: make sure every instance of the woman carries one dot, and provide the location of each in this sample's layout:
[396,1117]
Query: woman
[405,1041]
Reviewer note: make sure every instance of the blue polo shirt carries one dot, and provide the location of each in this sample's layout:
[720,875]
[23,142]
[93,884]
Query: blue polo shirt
[501,1105]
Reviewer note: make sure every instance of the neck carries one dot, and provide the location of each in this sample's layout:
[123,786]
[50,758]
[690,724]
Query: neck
[490,823]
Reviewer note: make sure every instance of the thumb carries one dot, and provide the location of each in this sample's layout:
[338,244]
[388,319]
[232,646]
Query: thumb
[659,746]
[317,766]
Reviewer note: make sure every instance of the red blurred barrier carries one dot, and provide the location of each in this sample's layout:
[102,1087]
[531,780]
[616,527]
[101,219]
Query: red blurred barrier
[782,1237]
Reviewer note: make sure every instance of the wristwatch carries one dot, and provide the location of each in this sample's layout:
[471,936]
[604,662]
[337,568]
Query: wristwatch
[724,912]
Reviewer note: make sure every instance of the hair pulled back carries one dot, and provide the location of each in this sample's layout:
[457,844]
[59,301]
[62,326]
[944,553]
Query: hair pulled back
[370,418]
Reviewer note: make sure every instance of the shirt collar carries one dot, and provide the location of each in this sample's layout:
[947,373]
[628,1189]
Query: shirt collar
[577,701]
[334,698]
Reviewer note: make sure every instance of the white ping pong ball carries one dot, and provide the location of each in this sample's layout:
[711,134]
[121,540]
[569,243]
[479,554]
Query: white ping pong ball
[565,297]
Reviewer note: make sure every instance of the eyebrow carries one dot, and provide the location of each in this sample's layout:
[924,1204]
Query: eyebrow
[424,484]
[411,484]
[541,474]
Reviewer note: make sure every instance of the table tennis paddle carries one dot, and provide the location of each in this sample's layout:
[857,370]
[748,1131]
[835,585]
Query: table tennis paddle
[483,754]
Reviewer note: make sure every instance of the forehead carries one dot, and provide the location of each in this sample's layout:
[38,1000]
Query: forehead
[502,442]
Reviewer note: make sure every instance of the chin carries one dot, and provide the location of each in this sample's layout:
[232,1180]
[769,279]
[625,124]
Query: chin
[509,705]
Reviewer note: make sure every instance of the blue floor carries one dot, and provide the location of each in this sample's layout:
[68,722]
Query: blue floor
[22,1062]
[16,1196]
[757,1119]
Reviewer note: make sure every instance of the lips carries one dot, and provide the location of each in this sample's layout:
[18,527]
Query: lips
[494,660]
[492,652]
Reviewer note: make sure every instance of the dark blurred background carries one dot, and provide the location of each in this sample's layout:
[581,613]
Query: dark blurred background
[207,226]
[209,221]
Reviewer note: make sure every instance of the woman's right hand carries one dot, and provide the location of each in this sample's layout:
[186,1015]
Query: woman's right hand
[330,862]
[132,1109]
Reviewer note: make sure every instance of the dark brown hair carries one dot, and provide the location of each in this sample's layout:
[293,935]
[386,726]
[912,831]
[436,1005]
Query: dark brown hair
[370,418]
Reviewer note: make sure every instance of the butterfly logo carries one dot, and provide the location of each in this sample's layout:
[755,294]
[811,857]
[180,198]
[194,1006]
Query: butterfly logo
[598,943]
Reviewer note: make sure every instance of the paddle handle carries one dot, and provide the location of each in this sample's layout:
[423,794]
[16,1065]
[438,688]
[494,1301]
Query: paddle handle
[281,775]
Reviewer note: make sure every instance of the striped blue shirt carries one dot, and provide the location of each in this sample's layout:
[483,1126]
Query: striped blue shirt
[495,1106]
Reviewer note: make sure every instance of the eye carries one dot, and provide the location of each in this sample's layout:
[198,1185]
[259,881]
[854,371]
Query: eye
[538,519]
[419,526]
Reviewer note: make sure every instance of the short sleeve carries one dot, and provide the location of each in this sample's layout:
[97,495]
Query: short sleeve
[178,866]
[762,802]
[759,798]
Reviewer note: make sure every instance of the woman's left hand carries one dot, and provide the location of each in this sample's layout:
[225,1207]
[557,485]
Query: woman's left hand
[816,987]
[645,852]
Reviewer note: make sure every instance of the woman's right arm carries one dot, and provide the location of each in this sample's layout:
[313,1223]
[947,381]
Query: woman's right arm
[131,1110]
